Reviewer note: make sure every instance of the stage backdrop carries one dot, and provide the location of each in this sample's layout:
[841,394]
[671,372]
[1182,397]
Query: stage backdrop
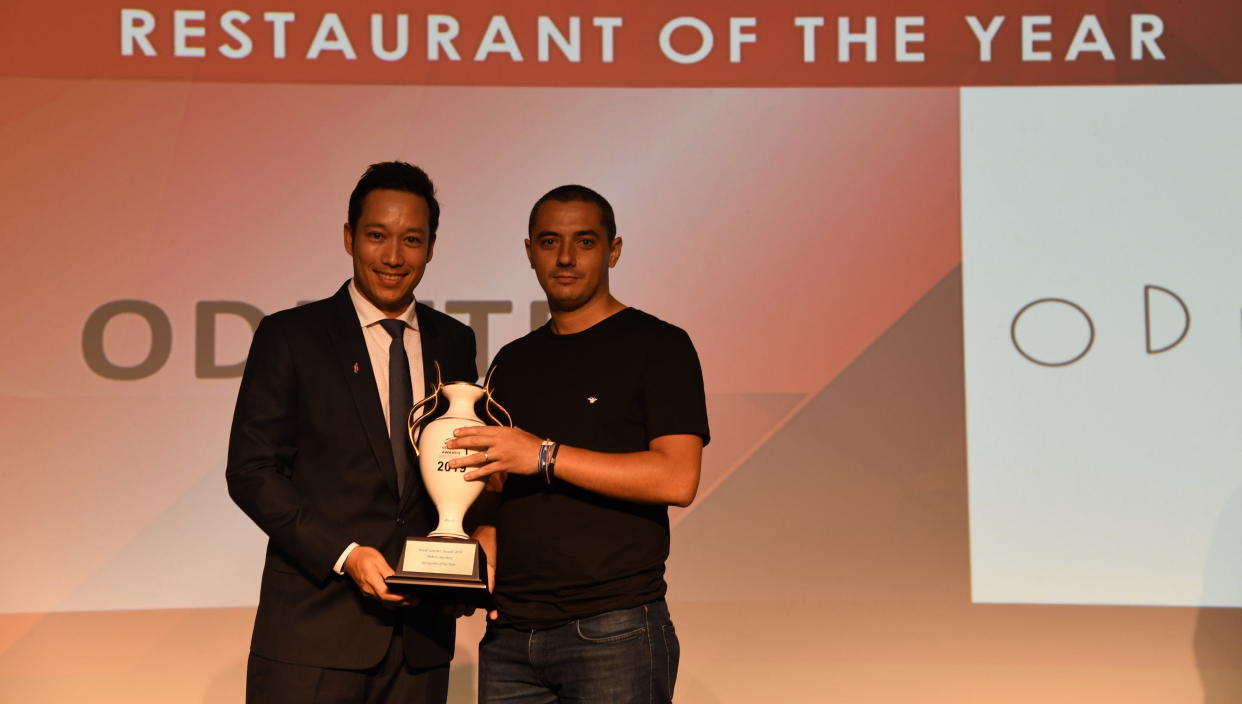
[963,278]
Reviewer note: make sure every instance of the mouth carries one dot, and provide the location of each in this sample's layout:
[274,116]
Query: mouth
[389,278]
[565,278]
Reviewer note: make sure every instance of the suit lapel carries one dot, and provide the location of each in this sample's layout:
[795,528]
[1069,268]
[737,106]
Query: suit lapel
[355,364]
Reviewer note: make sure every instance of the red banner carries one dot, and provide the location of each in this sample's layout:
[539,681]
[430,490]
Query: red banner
[686,43]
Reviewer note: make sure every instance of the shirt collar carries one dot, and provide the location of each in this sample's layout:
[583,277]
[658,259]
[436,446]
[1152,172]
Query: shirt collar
[369,315]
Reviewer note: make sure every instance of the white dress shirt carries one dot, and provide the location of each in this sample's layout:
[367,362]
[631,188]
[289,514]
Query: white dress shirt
[378,341]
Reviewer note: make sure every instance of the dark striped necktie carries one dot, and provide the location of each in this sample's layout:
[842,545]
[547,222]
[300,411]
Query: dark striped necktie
[400,399]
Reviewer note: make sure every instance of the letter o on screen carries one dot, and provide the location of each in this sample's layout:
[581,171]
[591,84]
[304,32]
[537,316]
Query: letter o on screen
[1052,332]
[93,339]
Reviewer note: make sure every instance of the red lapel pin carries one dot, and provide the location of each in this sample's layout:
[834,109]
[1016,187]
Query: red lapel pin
[355,367]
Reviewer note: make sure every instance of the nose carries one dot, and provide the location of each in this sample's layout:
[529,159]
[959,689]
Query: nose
[390,253]
[565,254]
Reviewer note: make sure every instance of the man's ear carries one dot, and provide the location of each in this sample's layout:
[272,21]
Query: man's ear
[349,240]
[431,247]
[614,252]
[529,256]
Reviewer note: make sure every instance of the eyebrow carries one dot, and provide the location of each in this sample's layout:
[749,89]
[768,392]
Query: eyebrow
[380,226]
[579,233]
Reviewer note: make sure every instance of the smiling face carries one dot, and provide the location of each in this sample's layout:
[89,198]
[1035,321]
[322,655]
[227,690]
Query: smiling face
[390,248]
[571,254]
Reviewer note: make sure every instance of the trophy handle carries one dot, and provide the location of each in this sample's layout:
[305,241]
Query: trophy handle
[414,425]
[487,405]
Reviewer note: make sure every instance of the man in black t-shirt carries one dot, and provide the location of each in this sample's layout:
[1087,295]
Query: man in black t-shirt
[611,420]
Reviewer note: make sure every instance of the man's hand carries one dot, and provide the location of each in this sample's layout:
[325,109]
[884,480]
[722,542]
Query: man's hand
[368,568]
[499,449]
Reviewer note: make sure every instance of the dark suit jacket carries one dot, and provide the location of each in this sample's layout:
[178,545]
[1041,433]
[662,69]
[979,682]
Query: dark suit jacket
[310,462]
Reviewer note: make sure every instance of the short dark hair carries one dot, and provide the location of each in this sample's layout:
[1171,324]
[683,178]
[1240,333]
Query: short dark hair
[573,193]
[396,176]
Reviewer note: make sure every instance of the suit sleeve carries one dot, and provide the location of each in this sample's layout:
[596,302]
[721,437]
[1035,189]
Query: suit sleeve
[262,450]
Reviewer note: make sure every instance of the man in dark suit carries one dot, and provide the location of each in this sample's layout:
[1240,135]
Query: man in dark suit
[319,459]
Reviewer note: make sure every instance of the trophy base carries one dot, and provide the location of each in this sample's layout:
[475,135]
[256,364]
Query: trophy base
[444,570]
[442,592]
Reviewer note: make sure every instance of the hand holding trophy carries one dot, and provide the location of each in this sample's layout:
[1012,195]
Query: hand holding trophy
[446,564]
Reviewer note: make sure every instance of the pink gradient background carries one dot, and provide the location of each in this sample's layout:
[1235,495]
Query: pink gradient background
[791,232]
[175,194]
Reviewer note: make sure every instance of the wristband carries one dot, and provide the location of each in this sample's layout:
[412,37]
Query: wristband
[550,474]
[545,448]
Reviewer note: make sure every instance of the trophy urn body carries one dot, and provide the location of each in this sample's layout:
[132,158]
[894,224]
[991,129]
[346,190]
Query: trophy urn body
[451,494]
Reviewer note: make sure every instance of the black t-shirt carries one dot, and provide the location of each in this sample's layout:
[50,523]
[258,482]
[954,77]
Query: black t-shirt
[565,552]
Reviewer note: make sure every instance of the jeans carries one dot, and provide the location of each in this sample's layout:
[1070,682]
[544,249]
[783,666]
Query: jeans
[617,657]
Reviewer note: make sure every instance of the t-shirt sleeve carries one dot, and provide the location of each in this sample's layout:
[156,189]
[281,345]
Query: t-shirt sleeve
[673,397]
